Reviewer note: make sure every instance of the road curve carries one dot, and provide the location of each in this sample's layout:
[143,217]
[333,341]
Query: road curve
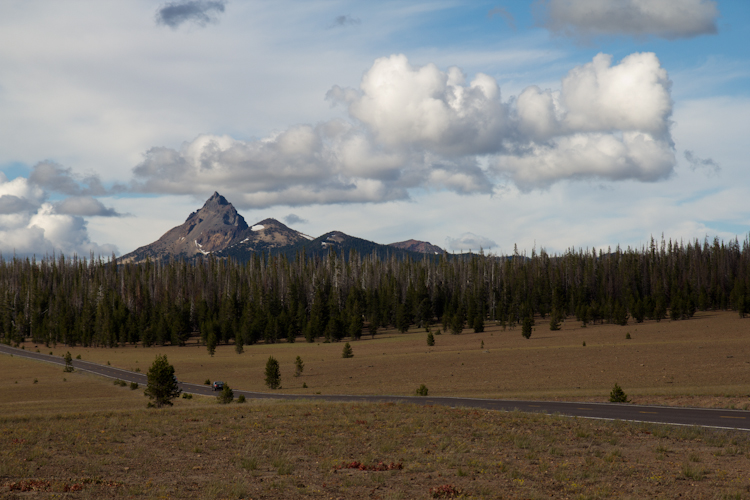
[704,417]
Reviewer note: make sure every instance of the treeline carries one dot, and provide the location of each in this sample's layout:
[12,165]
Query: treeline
[102,303]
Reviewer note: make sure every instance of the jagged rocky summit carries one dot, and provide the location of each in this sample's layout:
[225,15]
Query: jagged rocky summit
[215,228]
[218,229]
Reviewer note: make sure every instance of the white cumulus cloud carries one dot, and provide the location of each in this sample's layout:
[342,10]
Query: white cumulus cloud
[670,19]
[31,225]
[418,127]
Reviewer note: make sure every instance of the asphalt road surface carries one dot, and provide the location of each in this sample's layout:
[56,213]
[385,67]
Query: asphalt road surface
[705,417]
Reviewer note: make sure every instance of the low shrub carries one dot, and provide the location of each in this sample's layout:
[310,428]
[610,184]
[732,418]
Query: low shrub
[226,395]
[133,386]
[422,390]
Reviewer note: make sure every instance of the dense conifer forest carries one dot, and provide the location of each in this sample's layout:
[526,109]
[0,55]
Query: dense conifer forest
[93,302]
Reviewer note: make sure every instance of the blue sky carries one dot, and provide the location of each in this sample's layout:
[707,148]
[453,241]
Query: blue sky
[555,124]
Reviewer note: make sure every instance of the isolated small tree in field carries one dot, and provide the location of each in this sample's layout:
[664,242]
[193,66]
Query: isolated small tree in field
[211,343]
[554,321]
[526,328]
[478,324]
[273,373]
[422,390]
[299,366]
[347,352]
[162,385]
[618,395]
[68,362]
[226,395]
[457,324]
[430,339]
[373,328]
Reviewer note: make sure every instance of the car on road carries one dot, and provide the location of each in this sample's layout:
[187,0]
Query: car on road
[217,386]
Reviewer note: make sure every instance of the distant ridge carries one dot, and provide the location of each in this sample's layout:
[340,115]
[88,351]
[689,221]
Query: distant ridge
[218,229]
[418,246]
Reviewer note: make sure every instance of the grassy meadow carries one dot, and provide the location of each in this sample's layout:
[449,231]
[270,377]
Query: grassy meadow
[75,435]
[701,361]
[279,450]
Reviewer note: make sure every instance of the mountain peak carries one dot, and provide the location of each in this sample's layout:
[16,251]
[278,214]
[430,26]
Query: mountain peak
[216,200]
[418,246]
[214,227]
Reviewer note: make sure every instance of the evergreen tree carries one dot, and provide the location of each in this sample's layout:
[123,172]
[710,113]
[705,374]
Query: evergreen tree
[211,341]
[347,351]
[457,324]
[226,395]
[162,385]
[299,366]
[528,322]
[554,321]
[373,328]
[430,339]
[618,395]
[273,373]
[68,362]
[356,324]
[478,324]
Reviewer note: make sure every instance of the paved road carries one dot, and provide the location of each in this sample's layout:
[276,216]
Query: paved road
[728,419]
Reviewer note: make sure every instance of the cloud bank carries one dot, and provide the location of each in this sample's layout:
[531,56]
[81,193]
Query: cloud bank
[470,241]
[419,127]
[670,19]
[294,219]
[30,224]
[199,12]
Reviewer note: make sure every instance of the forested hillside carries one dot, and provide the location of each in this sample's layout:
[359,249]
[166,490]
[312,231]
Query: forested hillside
[99,303]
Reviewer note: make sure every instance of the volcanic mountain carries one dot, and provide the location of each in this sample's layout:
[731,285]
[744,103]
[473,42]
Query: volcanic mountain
[418,246]
[214,228]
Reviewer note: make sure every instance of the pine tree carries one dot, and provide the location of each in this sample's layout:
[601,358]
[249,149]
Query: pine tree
[299,366]
[554,321]
[356,324]
[162,385]
[430,339]
[373,328]
[68,362]
[618,395]
[478,324]
[347,351]
[273,373]
[226,395]
[526,328]
[457,324]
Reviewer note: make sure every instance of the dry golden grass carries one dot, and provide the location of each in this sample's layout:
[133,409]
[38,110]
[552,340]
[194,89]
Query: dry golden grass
[280,450]
[692,361]
[87,438]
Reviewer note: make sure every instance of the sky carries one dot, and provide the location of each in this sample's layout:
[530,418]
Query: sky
[552,124]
